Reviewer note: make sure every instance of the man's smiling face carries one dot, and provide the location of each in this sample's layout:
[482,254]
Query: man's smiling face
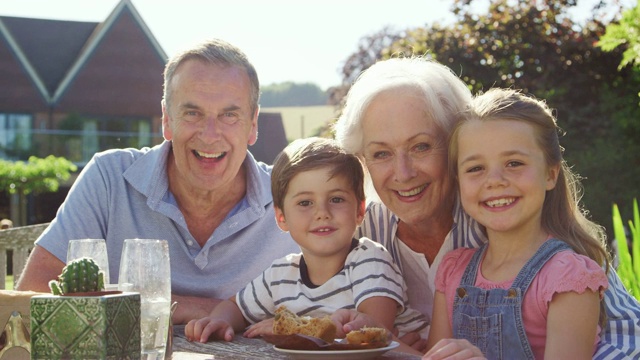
[210,123]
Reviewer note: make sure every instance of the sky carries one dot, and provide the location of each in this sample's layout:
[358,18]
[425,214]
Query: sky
[286,40]
[293,40]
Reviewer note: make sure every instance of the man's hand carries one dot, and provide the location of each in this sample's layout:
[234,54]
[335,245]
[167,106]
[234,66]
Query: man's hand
[192,308]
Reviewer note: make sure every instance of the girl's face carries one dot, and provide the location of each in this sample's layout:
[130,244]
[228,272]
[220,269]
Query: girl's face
[406,155]
[503,175]
[321,213]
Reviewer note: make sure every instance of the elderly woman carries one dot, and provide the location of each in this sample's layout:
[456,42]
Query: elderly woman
[397,118]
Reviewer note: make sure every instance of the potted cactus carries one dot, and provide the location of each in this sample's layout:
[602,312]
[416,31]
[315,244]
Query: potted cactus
[80,276]
[80,320]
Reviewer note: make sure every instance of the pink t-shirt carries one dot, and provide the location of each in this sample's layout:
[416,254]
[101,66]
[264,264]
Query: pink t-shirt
[565,271]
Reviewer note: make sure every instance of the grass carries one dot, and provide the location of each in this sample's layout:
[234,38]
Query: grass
[629,267]
[303,121]
[8,282]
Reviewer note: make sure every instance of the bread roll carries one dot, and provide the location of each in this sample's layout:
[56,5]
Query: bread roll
[378,337]
[288,323]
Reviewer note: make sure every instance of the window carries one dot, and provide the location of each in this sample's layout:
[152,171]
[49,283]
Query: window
[81,137]
[100,134]
[90,143]
[123,133]
[15,136]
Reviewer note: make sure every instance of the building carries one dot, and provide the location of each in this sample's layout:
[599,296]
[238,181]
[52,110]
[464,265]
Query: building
[72,88]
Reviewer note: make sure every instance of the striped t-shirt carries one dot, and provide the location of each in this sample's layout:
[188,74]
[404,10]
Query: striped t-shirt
[368,271]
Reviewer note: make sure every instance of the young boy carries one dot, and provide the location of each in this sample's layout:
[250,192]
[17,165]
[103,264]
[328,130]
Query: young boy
[319,198]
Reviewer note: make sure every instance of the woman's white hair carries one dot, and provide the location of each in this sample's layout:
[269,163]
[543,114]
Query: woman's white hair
[445,95]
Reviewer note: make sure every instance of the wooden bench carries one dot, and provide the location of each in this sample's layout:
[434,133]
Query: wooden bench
[19,239]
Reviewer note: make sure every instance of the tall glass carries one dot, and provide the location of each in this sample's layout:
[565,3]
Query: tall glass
[93,248]
[145,268]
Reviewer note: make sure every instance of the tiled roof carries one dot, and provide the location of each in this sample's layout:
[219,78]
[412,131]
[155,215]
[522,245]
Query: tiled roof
[53,52]
[51,46]
[271,137]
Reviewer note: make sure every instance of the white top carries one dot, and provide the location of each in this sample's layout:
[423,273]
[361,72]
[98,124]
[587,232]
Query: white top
[381,225]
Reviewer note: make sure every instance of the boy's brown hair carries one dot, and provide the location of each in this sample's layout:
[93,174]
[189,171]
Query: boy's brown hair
[310,154]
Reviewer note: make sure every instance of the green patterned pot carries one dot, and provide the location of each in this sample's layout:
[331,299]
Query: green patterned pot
[103,325]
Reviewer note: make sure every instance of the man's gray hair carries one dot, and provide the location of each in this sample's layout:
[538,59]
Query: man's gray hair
[218,52]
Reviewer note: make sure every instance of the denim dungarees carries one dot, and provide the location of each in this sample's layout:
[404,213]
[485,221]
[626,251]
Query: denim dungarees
[492,319]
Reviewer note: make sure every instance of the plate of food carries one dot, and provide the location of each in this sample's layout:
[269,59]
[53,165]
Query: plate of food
[337,354]
[305,337]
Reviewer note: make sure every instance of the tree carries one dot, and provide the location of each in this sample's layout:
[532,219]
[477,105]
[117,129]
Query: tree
[626,32]
[370,49]
[292,94]
[36,175]
[532,46]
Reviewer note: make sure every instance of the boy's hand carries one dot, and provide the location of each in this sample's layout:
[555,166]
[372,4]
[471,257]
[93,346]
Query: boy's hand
[258,329]
[347,320]
[201,330]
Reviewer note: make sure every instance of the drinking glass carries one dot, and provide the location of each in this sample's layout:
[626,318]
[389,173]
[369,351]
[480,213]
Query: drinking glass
[144,268]
[93,248]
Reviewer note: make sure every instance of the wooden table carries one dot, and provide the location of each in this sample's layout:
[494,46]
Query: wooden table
[241,348]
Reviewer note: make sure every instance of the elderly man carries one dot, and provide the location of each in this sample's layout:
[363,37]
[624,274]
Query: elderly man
[201,189]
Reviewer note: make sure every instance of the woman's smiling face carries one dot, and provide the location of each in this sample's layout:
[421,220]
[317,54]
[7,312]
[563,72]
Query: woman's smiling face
[406,155]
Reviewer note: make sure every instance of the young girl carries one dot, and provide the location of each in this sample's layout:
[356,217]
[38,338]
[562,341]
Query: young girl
[535,289]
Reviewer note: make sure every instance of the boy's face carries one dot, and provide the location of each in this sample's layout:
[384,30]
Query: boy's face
[320,213]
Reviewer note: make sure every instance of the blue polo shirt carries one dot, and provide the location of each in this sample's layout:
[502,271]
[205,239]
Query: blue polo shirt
[124,193]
